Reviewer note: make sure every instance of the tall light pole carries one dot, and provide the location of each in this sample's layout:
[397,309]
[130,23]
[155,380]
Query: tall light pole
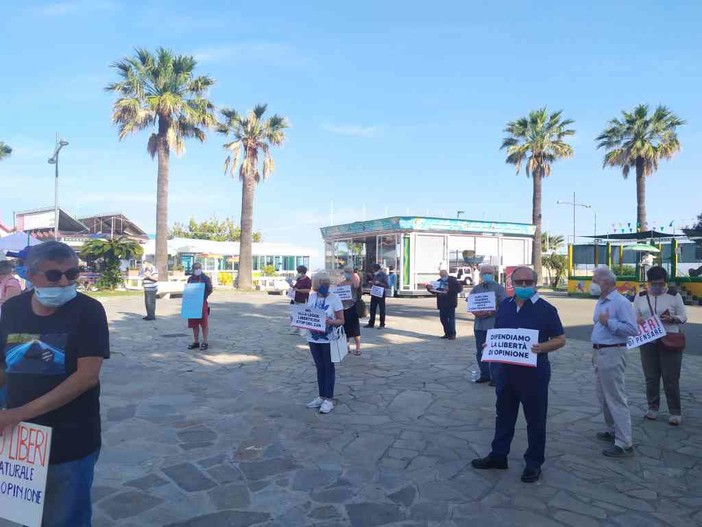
[54,160]
[576,204]
[458,213]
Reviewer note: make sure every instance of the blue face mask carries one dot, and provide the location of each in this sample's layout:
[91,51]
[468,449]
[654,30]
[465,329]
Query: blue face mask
[323,290]
[54,297]
[487,278]
[524,293]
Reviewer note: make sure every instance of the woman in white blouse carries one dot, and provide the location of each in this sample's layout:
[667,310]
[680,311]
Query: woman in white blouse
[660,363]
[320,341]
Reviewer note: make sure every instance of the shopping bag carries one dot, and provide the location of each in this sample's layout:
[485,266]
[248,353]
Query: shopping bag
[338,344]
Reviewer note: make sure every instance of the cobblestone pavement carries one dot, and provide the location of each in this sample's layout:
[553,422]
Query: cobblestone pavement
[223,438]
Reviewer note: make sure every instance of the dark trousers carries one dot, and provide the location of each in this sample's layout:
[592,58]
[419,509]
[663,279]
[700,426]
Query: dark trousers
[528,386]
[377,302]
[326,374]
[480,338]
[150,303]
[666,365]
[447,315]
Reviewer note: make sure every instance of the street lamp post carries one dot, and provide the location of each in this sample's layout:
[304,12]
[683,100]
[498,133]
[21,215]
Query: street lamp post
[54,160]
[576,204]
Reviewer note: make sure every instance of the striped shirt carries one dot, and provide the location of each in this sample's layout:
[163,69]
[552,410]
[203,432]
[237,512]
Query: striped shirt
[150,280]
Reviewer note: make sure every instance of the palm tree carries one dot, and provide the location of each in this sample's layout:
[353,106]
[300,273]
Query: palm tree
[254,136]
[5,150]
[551,242]
[639,140]
[111,251]
[159,91]
[539,140]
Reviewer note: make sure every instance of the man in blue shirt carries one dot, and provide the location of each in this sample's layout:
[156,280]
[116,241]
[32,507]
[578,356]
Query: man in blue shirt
[614,321]
[522,384]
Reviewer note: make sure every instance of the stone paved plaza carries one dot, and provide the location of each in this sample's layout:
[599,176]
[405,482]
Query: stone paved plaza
[223,438]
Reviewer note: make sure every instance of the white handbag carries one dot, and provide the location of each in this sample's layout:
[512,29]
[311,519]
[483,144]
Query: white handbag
[338,344]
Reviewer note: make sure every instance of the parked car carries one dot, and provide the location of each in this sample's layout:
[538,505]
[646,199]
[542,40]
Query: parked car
[463,275]
[273,285]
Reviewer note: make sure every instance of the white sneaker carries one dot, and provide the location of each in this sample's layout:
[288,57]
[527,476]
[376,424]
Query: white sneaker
[315,403]
[675,420]
[327,406]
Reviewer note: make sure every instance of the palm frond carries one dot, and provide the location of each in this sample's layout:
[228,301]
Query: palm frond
[161,86]
[255,137]
[152,145]
[639,135]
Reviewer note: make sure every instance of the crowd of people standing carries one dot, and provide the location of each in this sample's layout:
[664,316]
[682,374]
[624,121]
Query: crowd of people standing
[615,319]
[60,387]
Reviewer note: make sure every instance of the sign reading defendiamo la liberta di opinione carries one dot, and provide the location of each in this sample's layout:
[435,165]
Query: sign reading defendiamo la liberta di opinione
[511,346]
[24,462]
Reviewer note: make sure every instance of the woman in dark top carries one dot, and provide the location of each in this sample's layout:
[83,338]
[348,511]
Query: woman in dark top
[302,286]
[352,324]
[196,323]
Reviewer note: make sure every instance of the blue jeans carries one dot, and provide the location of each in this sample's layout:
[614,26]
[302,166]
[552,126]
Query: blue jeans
[68,493]
[447,315]
[326,374]
[480,338]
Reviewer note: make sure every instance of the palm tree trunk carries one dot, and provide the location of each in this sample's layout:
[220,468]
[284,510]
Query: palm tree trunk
[248,187]
[536,221]
[161,255]
[640,196]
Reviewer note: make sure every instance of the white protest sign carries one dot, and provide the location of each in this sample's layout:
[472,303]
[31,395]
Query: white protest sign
[435,286]
[305,317]
[343,292]
[377,290]
[652,329]
[481,301]
[511,346]
[24,462]
[291,293]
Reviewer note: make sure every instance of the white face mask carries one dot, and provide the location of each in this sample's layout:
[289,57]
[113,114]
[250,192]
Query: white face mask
[595,289]
[197,272]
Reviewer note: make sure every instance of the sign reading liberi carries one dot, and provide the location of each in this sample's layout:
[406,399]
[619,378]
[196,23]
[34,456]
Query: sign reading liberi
[24,463]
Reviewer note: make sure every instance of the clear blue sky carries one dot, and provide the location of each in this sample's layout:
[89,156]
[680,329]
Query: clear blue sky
[397,106]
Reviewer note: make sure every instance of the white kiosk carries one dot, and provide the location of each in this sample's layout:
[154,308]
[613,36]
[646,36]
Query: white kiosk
[415,247]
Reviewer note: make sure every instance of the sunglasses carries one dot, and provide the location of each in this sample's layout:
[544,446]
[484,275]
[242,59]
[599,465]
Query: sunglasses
[54,275]
[523,282]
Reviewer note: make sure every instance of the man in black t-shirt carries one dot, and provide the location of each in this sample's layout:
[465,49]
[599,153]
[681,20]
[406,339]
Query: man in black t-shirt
[52,344]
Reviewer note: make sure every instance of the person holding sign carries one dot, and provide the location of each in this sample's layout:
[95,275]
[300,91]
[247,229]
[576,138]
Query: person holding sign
[352,324]
[446,294]
[319,341]
[657,359]
[523,384]
[52,344]
[614,322]
[485,318]
[301,288]
[380,280]
[198,277]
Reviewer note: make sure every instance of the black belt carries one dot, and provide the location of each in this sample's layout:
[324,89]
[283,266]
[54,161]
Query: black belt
[600,346]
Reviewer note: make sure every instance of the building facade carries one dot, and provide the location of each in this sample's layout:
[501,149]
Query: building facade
[417,247]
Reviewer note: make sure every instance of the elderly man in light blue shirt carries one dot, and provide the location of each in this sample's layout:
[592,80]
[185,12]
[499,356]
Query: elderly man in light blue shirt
[614,322]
